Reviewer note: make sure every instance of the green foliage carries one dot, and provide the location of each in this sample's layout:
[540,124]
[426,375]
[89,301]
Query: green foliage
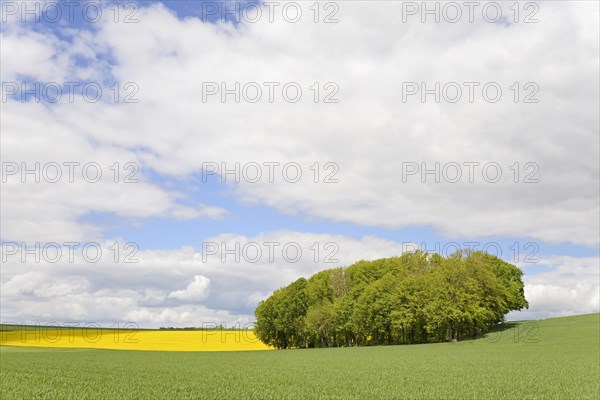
[280,318]
[556,358]
[415,298]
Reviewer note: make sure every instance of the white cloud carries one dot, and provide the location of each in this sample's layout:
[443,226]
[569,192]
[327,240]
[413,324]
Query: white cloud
[194,292]
[202,210]
[570,286]
[47,211]
[369,133]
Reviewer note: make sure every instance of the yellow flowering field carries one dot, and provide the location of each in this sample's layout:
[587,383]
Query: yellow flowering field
[132,339]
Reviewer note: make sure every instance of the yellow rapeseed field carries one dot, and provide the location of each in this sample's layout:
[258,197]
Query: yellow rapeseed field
[123,339]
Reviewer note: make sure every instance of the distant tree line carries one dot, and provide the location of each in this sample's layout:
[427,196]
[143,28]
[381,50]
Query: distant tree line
[187,328]
[415,298]
[210,327]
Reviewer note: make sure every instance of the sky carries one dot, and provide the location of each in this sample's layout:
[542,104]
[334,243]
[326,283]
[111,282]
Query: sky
[173,163]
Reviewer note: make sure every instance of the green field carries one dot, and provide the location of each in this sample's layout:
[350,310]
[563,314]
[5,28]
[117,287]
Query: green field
[550,359]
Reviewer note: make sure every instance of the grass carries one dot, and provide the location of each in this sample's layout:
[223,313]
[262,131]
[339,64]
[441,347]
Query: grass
[550,359]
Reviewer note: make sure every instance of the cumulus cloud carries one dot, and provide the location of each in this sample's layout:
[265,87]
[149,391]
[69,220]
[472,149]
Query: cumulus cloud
[567,286]
[369,133]
[194,292]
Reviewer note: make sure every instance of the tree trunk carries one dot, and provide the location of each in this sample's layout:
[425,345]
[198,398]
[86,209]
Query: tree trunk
[450,332]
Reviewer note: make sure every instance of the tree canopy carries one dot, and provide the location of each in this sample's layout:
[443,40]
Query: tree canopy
[414,298]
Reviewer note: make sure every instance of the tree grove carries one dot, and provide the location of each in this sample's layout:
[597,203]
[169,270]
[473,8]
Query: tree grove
[414,298]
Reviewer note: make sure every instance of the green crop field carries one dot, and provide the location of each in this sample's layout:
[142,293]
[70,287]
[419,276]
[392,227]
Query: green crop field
[550,359]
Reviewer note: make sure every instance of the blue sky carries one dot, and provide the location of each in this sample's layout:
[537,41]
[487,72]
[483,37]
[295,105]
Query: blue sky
[252,219]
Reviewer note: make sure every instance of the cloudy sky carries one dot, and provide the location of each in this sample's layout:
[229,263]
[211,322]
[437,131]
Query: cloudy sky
[172,163]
